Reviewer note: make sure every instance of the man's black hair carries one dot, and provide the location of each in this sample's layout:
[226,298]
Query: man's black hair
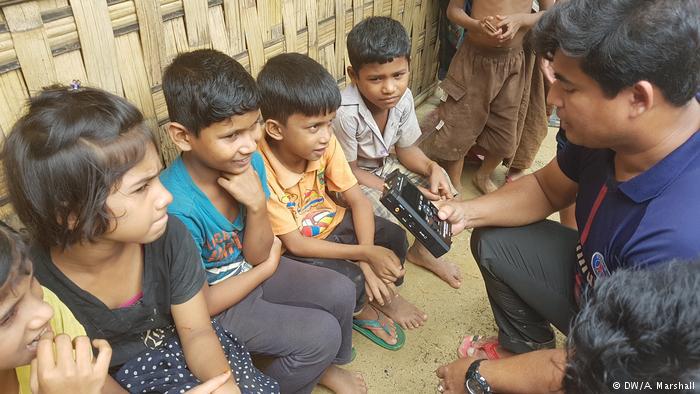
[622,42]
[293,83]
[377,39]
[205,86]
[638,326]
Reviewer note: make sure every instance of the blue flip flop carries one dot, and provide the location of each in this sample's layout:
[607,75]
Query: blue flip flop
[365,328]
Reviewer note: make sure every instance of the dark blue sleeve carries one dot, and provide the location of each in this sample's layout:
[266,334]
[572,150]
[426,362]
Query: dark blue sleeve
[259,167]
[569,157]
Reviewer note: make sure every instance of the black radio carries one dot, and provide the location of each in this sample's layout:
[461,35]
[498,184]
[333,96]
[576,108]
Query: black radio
[403,199]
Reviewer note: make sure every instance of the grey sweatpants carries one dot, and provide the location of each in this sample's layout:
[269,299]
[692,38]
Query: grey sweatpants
[302,317]
[529,276]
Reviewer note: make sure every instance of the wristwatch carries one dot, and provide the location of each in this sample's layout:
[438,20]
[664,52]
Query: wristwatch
[474,383]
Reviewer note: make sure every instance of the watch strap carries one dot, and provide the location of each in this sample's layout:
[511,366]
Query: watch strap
[474,375]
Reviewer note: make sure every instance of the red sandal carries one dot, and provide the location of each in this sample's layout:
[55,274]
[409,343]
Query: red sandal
[468,347]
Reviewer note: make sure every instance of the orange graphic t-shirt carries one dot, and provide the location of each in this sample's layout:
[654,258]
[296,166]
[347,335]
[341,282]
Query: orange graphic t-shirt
[299,202]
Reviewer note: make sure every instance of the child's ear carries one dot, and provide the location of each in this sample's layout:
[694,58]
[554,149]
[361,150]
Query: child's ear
[352,74]
[179,136]
[273,128]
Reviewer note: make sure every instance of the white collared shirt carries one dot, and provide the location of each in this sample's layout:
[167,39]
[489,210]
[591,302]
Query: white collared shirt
[358,132]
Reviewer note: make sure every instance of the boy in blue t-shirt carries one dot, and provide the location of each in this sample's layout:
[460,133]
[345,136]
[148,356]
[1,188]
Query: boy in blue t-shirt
[220,192]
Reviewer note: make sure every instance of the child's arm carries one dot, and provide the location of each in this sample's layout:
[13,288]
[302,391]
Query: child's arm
[302,246]
[379,274]
[416,161]
[247,190]
[203,353]
[377,288]
[232,290]
[387,267]
[365,177]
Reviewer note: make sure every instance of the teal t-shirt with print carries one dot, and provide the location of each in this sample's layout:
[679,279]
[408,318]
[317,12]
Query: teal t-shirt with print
[218,240]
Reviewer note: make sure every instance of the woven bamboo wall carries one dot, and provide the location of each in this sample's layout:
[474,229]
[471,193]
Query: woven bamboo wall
[124,45]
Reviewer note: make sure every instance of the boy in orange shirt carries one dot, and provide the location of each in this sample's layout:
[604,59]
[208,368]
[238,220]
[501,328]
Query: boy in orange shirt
[302,159]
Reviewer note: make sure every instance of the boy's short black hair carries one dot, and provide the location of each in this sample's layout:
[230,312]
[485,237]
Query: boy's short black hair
[293,83]
[66,155]
[205,86]
[14,261]
[377,39]
[622,42]
[638,326]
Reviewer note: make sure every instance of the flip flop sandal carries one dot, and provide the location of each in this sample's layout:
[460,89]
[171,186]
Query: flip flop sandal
[468,347]
[366,327]
[353,354]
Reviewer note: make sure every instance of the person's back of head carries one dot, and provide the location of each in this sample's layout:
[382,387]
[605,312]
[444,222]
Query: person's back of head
[622,42]
[377,39]
[292,83]
[638,326]
[205,86]
[66,155]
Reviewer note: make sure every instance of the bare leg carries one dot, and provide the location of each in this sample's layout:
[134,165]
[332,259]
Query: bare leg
[341,380]
[482,176]
[446,270]
[454,171]
[403,312]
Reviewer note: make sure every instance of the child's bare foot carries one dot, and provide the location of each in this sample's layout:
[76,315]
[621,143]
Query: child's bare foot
[342,381]
[484,183]
[403,312]
[446,270]
[514,174]
[370,313]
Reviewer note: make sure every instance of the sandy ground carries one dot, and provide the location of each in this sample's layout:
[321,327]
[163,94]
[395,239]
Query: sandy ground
[451,313]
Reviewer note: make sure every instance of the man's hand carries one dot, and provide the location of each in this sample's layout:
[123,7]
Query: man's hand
[509,25]
[244,187]
[452,375]
[72,369]
[453,212]
[377,289]
[439,183]
[384,262]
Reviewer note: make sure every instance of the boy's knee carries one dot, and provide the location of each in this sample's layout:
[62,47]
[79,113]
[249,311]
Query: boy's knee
[322,337]
[345,291]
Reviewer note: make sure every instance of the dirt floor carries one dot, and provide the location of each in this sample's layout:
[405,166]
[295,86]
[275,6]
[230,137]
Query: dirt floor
[451,313]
